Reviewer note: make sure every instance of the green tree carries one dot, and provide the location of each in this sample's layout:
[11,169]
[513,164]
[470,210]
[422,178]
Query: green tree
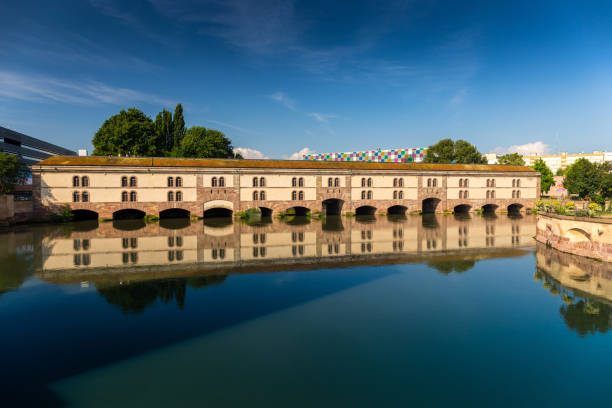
[205,143]
[547,179]
[12,171]
[164,132]
[560,172]
[129,133]
[583,178]
[514,159]
[605,172]
[178,124]
[448,151]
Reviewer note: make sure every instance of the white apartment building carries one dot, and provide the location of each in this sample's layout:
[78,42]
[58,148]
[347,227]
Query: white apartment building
[558,161]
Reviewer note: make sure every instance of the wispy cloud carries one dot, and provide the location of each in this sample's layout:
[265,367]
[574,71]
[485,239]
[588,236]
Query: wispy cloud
[538,147]
[283,99]
[249,153]
[299,155]
[234,127]
[45,89]
[321,117]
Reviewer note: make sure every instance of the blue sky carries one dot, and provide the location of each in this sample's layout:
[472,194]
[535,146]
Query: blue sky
[280,77]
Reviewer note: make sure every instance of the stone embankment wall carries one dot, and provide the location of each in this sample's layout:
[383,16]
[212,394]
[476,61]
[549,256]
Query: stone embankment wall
[12,211]
[590,237]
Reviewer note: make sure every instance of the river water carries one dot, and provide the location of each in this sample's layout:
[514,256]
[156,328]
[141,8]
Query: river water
[420,310]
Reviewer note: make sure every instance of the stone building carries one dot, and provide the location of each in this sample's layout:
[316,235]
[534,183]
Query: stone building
[111,187]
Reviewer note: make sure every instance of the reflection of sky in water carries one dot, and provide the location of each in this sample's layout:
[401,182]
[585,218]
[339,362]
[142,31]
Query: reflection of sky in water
[473,320]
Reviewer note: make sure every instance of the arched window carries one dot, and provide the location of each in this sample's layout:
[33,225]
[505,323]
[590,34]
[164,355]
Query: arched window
[124,181]
[488,192]
[179,196]
[401,195]
[85,181]
[255,195]
[132,196]
[363,194]
[330,182]
[213,182]
[394,182]
[76,197]
[513,183]
[294,182]
[85,196]
[465,194]
[518,182]
[492,182]
[179,182]
[336,182]
[465,183]
[488,183]
[301,182]
[513,193]
[460,182]
[460,194]
[369,182]
[170,196]
[262,195]
[262,182]
[294,195]
[429,182]
[370,195]
[395,192]
[434,182]
[518,193]
[401,182]
[301,195]
[493,193]
[132,181]
[124,196]
[75,181]
[363,182]
[221,182]
[170,182]
[255,181]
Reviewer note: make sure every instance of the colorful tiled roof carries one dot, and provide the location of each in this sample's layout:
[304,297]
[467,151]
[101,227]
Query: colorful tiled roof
[415,155]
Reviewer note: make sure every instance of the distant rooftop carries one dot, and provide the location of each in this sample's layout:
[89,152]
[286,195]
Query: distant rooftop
[29,149]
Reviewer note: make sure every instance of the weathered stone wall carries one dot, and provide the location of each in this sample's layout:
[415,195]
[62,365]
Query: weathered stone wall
[590,237]
[7,209]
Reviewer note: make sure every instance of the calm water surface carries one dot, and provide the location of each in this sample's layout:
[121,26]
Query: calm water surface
[417,311]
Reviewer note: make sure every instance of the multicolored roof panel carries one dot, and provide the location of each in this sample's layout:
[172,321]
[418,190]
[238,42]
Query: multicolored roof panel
[415,155]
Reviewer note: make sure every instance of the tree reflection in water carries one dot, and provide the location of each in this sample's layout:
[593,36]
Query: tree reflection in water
[447,267]
[135,297]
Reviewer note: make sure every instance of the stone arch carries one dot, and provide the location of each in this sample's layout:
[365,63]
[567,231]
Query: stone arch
[397,210]
[174,213]
[515,208]
[332,206]
[489,208]
[82,215]
[578,235]
[218,208]
[462,208]
[128,214]
[264,211]
[365,210]
[297,210]
[429,205]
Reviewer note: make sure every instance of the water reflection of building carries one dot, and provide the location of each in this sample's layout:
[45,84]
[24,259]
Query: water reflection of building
[110,248]
[584,285]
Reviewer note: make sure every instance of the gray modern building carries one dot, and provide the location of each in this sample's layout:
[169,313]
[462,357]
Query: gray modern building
[29,149]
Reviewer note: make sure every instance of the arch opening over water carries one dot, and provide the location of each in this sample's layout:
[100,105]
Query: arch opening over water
[128,214]
[174,213]
[84,215]
[514,208]
[489,208]
[462,209]
[430,205]
[397,210]
[297,211]
[365,210]
[332,206]
[218,212]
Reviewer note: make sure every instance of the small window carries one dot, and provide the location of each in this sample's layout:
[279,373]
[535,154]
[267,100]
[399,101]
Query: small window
[394,182]
[179,241]
[124,196]
[336,182]
[178,196]
[170,196]
[465,194]
[255,238]
[134,243]
[465,183]
[301,195]
[255,195]
[460,182]
[294,182]
[518,193]
[179,182]
[170,242]
[488,192]
[132,196]
[363,195]
[488,183]
[369,182]
[76,244]
[77,259]
[460,194]
[85,196]
[76,197]
[86,259]
[518,183]
[124,181]
[301,182]
[255,182]
[492,194]
[435,182]
[294,195]
[171,255]
[370,195]
[401,195]
[513,183]
[401,182]
[84,181]
[85,244]
[262,182]
[133,182]
[170,182]
[428,182]
[330,182]
[395,194]
[221,181]
[262,195]
[213,182]
[75,181]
